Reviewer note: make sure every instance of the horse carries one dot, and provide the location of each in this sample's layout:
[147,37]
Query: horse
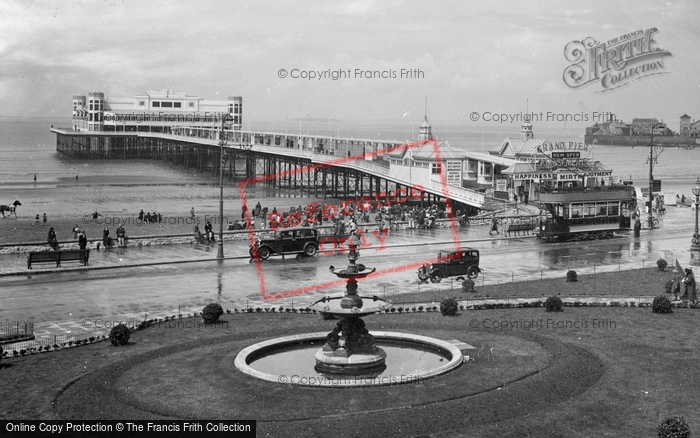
[11,209]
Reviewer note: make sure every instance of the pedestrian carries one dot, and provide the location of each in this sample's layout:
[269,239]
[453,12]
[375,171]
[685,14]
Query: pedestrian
[53,242]
[76,230]
[209,231]
[690,293]
[515,198]
[637,225]
[494,226]
[82,240]
[676,286]
[192,213]
[106,239]
[121,235]
[44,218]
[36,220]
[35,177]
[141,213]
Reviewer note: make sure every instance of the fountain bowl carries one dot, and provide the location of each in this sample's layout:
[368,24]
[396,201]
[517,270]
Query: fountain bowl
[248,355]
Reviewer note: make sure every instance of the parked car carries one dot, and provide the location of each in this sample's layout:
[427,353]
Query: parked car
[293,240]
[450,263]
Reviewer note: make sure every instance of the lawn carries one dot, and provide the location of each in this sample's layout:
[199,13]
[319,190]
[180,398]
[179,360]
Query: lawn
[614,371]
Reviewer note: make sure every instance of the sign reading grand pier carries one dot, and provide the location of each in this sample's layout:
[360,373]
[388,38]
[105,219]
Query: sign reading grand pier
[614,63]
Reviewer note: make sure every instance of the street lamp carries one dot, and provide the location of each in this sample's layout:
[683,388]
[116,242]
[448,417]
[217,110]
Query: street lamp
[651,174]
[222,143]
[695,243]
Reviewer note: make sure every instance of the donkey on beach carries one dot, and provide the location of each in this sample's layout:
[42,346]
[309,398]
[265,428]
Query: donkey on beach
[10,209]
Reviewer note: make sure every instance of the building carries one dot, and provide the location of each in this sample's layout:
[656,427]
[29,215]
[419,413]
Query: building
[427,164]
[152,111]
[689,128]
[539,163]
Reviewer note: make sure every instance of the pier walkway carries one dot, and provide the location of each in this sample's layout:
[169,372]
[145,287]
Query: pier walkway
[339,166]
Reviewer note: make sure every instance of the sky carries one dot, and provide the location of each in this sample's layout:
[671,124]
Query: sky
[470,60]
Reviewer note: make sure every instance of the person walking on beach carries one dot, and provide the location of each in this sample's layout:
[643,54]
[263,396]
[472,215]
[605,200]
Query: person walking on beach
[494,226]
[141,215]
[192,213]
[44,218]
[690,294]
[36,220]
[121,234]
[53,242]
[82,240]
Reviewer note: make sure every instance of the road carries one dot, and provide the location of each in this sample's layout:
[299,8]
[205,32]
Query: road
[130,291]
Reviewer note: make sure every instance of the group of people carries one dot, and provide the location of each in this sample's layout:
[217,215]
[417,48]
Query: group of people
[151,218]
[208,235]
[689,292]
[38,219]
[315,215]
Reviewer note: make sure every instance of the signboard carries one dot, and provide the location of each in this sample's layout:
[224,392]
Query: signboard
[501,185]
[656,185]
[454,173]
[568,177]
[566,154]
[533,176]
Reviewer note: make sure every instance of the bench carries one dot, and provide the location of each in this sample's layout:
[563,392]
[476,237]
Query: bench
[518,228]
[81,255]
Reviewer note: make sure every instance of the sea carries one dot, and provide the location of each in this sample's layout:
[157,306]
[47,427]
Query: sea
[28,148]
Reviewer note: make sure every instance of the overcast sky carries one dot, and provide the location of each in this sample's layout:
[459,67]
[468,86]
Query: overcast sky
[490,56]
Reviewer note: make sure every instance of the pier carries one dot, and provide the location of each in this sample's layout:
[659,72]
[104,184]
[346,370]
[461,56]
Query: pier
[313,164]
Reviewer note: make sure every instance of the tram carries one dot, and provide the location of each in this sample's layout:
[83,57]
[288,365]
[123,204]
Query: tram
[580,212]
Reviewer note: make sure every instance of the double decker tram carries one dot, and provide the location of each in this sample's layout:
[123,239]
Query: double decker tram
[580,212]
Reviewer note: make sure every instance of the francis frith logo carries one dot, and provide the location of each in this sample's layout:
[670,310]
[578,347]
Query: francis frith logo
[614,63]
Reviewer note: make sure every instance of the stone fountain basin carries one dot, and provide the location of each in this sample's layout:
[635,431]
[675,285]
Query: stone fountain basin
[251,353]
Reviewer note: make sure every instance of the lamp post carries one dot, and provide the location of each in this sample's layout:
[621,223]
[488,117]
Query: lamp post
[222,143]
[651,174]
[695,242]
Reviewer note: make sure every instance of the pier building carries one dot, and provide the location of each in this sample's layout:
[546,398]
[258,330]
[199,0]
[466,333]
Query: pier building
[151,111]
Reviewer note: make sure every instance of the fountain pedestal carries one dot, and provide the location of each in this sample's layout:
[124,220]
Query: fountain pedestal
[350,349]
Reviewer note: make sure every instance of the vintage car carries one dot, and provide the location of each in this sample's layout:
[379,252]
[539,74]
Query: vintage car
[293,240]
[450,263]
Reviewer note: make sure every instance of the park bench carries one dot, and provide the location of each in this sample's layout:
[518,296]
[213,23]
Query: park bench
[81,255]
[520,228]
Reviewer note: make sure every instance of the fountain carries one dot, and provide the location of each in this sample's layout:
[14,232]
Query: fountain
[350,349]
[350,356]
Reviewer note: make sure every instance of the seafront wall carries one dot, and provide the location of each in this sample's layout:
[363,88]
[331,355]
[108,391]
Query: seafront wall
[172,239]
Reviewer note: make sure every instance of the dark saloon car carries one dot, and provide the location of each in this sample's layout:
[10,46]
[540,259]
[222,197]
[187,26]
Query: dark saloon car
[293,240]
[450,263]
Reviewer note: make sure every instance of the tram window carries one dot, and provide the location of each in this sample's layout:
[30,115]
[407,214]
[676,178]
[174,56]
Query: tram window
[576,210]
[602,209]
[589,209]
[614,209]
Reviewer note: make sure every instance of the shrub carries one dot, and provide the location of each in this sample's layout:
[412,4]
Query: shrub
[468,285]
[661,263]
[211,313]
[673,427]
[119,335]
[553,304]
[448,307]
[661,304]
[327,316]
[571,275]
